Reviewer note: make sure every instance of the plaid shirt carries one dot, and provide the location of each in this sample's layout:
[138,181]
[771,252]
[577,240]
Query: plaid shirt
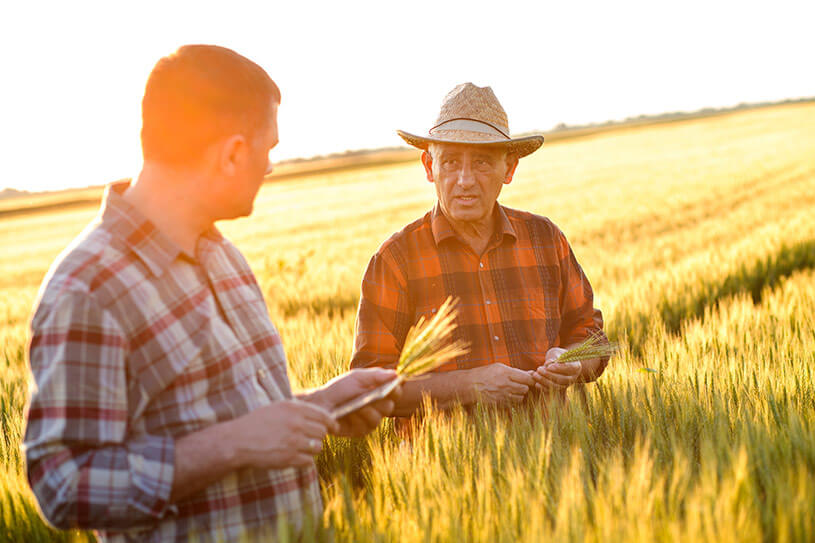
[525,294]
[135,343]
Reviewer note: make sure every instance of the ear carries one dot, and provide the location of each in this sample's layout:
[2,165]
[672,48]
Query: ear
[232,154]
[427,161]
[512,163]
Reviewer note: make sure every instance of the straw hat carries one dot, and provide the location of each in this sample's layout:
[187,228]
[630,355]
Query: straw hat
[473,115]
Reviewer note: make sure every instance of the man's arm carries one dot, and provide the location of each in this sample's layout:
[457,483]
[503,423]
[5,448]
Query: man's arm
[81,466]
[348,386]
[579,317]
[579,320]
[495,383]
[292,434]
[84,468]
[560,376]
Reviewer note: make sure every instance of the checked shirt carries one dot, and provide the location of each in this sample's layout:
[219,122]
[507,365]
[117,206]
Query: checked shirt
[525,294]
[135,343]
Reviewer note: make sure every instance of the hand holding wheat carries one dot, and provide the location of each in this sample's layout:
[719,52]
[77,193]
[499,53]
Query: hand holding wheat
[427,346]
[594,346]
[563,368]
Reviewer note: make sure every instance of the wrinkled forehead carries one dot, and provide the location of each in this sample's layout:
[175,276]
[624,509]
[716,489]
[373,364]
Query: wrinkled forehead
[437,149]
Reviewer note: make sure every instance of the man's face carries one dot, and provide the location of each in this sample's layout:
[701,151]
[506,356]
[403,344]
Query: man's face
[468,178]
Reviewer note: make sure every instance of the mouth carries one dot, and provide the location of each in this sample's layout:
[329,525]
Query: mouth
[466,199]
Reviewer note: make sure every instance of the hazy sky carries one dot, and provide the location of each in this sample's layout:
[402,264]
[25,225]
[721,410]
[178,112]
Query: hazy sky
[353,72]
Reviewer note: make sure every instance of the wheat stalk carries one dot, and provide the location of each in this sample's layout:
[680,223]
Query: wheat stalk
[427,343]
[594,346]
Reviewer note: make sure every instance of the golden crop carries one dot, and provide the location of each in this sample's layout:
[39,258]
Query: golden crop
[699,239]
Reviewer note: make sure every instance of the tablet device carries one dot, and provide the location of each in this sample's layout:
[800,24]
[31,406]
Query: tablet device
[361,401]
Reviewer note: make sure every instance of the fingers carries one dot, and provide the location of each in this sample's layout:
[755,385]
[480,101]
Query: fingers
[309,445]
[521,377]
[551,383]
[395,394]
[559,379]
[312,430]
[547,384]
[384,407]
[369,416]
[517,388]
[316,414]
[302,460]
[360,422]
[552,376]
[568,368]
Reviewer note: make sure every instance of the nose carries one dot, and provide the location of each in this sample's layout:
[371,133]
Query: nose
[466,178]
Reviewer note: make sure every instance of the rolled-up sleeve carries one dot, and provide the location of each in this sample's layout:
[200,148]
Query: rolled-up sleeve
[579,317]
[384,316]
[84,466]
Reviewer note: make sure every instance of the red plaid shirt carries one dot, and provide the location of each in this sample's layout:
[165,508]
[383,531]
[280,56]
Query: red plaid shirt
[134,343]
[525,294]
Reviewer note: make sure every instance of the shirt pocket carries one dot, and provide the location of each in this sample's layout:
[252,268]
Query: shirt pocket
[428,294]
[536,315]
[426,300]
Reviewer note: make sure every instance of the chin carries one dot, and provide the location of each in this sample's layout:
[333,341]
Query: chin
[467,214]
[236,212]
[246,211]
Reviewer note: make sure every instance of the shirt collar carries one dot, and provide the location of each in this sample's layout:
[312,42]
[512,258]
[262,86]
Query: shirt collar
[152,246]
[442,229]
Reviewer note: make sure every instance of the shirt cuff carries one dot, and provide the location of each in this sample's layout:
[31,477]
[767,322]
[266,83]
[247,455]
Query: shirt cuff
[152,468]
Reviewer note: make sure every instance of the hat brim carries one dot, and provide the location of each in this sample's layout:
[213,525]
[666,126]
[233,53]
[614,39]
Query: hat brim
[520,146]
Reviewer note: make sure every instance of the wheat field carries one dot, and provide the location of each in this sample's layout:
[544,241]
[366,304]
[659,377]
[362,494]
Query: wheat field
[699,239]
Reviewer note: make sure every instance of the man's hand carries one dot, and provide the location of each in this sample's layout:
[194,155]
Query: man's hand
[499,383]
[553,375]
[284,434]
[347,387]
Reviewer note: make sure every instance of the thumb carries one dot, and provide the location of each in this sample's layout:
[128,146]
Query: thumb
[553,354]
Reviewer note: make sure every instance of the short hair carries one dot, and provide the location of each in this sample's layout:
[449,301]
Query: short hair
[198,94]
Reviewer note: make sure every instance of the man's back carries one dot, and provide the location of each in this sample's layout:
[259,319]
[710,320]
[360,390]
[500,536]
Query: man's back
[135,343]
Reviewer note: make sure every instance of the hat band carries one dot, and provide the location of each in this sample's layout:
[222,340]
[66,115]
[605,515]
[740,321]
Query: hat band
[469,125]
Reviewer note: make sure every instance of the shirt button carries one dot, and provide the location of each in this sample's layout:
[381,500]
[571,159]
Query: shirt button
[480,264]
[488,302]
[495,338]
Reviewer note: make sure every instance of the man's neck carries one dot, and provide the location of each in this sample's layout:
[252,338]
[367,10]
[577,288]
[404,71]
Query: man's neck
[167,199]
[476,234]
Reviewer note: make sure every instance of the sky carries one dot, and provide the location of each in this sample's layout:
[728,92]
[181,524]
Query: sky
[352,72]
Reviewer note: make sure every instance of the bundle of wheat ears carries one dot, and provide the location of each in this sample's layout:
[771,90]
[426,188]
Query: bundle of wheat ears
[594,346]
[427,346]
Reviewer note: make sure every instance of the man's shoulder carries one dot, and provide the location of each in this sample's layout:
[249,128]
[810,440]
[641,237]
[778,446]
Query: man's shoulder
[532,222]
[91,256]
[399,241]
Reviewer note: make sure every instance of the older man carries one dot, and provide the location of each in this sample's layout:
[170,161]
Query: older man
[163,410]
[523,296]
